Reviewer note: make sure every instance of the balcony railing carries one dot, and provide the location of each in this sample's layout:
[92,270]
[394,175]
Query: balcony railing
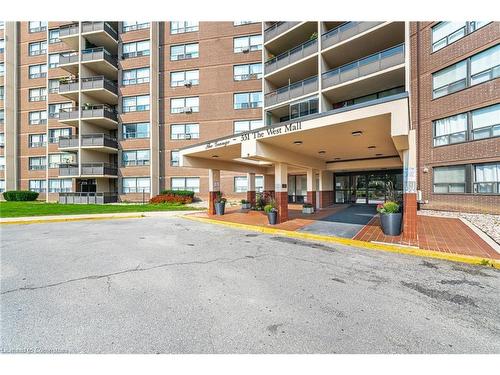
[96,111]
[68,58]
[277,28]
[99,169]
[99,82]
[294,90]
[88,198]
[99,53]
[68,30]
[88,27]
[68,86]
[68,169]
[367,65]
[68,114]
[292,55]
[99,140]
[345,31]
[71,141]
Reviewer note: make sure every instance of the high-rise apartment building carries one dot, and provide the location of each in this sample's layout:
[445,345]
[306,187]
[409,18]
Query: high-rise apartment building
[324,112]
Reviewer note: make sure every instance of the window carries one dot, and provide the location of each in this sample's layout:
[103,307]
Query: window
[54,36]
[135,130]
[55,134]
[304,108]
[63,158]
[184,51]
[247,43]
[135,76]
[179,27]
[2,116]
[450,79]
[2,93]
[174,158]
[477,69]
[62,185]
[241,23]
[135,49]
[185,78]
[247,125]
[487,178]
[2,163]
[245,100]
[369,97]
[37,140]
[134,25]
[53,60]
[449,179]
[53,86]
[450,130]
[241,185]
[136,185]
[2,186]
[40,186]
[486,122]
[247,71]
[185,105]
[37,94]
[135,157]
[2,25]
[135,103]
[2,45]
[37,71]
[37,163]
[37,118]
[185,183]
[37,26]
[37,48]
[2,69]
[184,131]
[56,108]
[445,33]
[2,139]
[485,66]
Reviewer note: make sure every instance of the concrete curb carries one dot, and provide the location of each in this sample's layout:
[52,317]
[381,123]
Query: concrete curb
[68,219]
[362,244]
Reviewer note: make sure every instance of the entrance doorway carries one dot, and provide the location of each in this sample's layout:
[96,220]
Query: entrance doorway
[297,188]
[88,186]
[368,187]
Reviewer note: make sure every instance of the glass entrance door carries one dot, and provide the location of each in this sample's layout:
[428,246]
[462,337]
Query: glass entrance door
[297,188]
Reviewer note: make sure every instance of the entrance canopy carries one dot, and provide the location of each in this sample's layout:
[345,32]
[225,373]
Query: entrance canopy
[368,136]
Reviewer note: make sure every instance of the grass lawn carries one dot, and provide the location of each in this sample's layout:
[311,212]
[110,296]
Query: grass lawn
[20,209]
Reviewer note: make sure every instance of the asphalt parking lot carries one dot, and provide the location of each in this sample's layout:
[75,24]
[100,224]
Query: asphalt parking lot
[170,285]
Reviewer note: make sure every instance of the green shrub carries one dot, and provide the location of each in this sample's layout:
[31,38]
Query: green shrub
[271,206]
[20,195]
[388,207]
[183,193]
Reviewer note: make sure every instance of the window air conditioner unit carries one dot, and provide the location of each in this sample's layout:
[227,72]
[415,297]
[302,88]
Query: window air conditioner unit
[188,110]
[245,50]
[187,136]
[188,83]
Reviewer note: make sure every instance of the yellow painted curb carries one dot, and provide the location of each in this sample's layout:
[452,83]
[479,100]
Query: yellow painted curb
[42,221]
[363,244]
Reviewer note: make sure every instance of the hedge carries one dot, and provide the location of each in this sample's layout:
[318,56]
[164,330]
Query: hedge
[183,193]
[171,198]
[20,195]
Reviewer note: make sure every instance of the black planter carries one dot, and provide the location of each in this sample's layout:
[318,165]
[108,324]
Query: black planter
[219,208]
[391,224]
[272,217]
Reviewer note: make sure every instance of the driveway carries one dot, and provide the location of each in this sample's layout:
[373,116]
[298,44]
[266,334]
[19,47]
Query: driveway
[170,285]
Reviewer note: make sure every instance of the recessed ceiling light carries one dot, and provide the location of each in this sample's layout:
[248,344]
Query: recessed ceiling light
[357,133]
[379,154]
[322,152]
[215,156]
[336,159]
[297,143]
[372,147]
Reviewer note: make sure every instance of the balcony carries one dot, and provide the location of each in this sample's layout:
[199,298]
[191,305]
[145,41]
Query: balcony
[101,34]
[69,116]
[100,142]
[68,170]
[88,198]
[101,89]
[69,62]
[277,28]
[364,67]
[291,56]
[344,32]
[100,61]
[295,90]
[99,169]
[69,89]
[69,35]
[68,142]
[101,115]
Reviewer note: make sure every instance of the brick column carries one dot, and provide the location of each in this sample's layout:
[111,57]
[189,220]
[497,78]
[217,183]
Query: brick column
[311,187]
[281,190]
[311,198]
[325,189]
[410,218]
[282,203]
[251,197]
[251,188]
[213,189]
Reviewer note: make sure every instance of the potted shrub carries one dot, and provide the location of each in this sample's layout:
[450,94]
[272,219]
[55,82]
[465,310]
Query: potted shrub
[245,205]
[390,218]
[220,204]
[272,212]
[307,208]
